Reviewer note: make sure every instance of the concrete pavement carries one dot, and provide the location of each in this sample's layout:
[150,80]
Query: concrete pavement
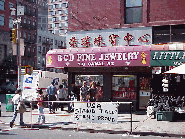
[142,125]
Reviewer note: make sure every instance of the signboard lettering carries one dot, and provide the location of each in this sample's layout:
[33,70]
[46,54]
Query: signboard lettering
[96,112]
[131,58]
[167,58]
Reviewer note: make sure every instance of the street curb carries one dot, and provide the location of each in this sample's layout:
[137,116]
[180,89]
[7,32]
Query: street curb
[90,130]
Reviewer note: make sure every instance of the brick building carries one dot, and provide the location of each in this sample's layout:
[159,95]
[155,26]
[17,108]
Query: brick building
[5,25]
[107,34]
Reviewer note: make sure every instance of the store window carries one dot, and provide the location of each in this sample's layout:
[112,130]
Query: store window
[133,11]
[124,86]
[90,78]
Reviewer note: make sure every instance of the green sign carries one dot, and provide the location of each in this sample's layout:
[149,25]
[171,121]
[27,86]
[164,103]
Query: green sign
[167,58]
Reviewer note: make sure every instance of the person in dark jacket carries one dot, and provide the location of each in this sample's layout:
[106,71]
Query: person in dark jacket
[92,92]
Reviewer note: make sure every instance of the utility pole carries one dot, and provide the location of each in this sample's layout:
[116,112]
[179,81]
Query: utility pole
[20,11]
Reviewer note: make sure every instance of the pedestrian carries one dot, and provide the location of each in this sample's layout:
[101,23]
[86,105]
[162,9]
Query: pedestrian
[84,91]
[16,99]
[92,92]
[40,98]
[72,96]
[52,91]
[62,96]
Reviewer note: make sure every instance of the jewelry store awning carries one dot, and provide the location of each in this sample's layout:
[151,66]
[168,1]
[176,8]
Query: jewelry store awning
[99,57]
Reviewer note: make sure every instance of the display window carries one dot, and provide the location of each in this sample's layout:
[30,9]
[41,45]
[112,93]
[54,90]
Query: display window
[89,78]
[124,86]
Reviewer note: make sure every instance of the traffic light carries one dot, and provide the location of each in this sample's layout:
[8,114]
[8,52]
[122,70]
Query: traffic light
[28,70]
[13,35]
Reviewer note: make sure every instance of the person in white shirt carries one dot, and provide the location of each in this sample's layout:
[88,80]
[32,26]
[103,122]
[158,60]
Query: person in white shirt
[15,101]
[62,96]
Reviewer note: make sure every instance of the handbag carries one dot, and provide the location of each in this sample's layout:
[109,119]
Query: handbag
[21,108]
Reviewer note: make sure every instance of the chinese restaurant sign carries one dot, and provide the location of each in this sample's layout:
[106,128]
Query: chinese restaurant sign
[99,59]
[167,58]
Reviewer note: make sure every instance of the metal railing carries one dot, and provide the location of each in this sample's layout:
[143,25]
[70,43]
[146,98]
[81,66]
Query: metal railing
[72,114]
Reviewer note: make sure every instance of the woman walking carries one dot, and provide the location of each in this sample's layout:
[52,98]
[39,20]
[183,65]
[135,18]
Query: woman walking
[40,107]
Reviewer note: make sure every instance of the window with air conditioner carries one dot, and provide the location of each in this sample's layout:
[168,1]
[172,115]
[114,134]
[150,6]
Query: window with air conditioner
[133,12]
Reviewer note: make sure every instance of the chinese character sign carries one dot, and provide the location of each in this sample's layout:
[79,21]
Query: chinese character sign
[112,39]
[73,42]
[86,42]
[98,41]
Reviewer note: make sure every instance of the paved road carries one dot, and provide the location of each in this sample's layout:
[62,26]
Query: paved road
[18,133]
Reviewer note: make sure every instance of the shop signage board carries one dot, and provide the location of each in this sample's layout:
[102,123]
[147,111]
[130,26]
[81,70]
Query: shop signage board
[96,112]
[167,58]
[88,58]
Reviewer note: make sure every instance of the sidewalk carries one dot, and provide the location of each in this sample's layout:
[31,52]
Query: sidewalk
[142,125]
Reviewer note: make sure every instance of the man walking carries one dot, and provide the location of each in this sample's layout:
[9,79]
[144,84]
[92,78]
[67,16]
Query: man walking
[52,91]
[16,100]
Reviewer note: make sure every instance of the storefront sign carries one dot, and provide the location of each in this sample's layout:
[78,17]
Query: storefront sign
[99,59]
[167,58]
[96,112]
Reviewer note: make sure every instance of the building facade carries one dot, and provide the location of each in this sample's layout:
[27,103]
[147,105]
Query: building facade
[58,17]
[42,15]
[47,41]
[6,24]
[106,38]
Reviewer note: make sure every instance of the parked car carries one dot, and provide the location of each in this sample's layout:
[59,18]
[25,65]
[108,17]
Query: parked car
[8,87]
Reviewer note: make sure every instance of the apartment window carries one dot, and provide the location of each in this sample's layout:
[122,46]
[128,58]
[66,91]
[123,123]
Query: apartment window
[1,20]
[39,39]
[54,19]
[33,23]
[29,9]
[54,6]
[29,22]
[65,31]
[60,0]
[2,4]
[44,49]
[29,36]
[25,34]
[10,5]
[66,18]
[10,23]
[55,42]
[66,5]
[59,31]
[66,24]
[60,12]
[25,20]
[60,24]
[66,12]
[133,11]
[39,49]
[29,50]
[25,8]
